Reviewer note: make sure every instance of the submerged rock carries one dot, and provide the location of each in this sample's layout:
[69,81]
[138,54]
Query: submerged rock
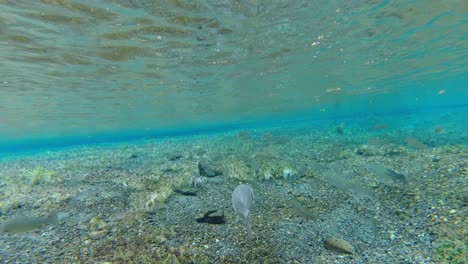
[212,217]
[175,157]
[239,170]
[339,246]
[365,150]
[209,169]
[186,191]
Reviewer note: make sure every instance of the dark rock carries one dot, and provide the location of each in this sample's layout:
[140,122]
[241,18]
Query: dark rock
[208,169]
[186,191]
[212,217]
[133,156]
[175,157]
[365,150]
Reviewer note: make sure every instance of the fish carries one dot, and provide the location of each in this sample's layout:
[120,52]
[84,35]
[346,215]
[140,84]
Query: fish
[439,130]
[345,184]
[242,197]
[302,211]
[414,143]
[21,224]
[381,171]
[377,127]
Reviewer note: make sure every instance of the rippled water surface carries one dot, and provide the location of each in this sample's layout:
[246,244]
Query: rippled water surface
[100,66]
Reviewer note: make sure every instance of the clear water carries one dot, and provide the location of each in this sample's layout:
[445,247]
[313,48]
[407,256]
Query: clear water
[86,68]
[348,119]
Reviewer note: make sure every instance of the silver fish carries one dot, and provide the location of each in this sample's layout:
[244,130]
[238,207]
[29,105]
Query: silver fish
[22,224]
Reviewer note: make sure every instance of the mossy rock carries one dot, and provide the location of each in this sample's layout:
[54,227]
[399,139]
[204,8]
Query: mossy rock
[41,175]
[239,170]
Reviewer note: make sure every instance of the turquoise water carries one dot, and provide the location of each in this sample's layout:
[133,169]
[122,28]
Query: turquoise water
[126,124]
[79,69]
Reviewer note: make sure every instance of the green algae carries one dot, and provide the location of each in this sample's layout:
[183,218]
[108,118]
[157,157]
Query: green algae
[153,188]
[238,169]
[41,175]
[451,251]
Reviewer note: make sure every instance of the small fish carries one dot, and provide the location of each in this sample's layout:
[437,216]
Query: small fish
[302,211]
[414,143]
[377,127]
[332,90]
[376,141]
[439,130]
[22,224]
[381,171]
